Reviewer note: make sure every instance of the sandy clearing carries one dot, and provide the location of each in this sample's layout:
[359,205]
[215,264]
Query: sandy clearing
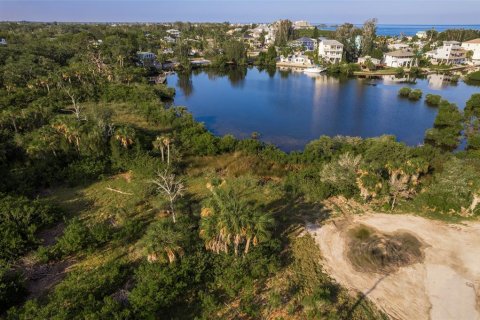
[446,285]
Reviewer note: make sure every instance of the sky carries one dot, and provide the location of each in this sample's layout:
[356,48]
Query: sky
[318,11]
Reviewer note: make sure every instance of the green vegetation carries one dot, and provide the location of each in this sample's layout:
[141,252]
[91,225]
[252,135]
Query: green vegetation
[474,76]
[415,95]
[433,100]
[405,92]
[128,208]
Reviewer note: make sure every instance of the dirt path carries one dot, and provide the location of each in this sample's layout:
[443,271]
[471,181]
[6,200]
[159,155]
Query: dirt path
[446,285]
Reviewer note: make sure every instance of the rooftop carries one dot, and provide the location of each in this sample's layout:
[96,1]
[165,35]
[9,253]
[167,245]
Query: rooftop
[330,42]
[473,41]
[400,53]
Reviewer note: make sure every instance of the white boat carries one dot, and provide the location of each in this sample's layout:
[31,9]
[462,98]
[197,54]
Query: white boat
[315,70]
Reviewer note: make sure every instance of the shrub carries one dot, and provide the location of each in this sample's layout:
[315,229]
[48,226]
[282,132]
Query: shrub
[433,100]
[474,76]
[20,218]
[415,95]
[404,92]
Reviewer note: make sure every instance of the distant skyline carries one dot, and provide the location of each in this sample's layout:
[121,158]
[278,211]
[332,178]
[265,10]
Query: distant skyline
[319,11]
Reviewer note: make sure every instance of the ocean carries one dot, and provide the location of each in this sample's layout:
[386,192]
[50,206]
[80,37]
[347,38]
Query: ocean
[407,29]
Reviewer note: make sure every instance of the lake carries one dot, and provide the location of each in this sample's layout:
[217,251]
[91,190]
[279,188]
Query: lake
[291,108]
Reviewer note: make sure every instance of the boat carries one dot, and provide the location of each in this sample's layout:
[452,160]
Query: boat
[315,70]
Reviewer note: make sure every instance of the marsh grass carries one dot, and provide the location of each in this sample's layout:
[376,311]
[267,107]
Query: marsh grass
[372,251]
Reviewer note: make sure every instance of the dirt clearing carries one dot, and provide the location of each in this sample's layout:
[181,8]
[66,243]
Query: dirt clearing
[445,284]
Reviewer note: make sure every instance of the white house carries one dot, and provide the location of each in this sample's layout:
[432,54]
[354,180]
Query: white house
[296,59]
[363,60]
[302,24]
[450,53]
[474,46]
[173,33]
[400,58]
[422,34]
[3,42]
[399,46]
[330,50]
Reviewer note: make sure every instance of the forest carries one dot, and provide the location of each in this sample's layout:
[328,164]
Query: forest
[117,204]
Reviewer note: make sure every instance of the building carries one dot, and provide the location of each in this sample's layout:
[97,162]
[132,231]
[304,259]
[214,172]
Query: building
[474,46]
[363,61]
[398,46]
[302,24]
[296,60]
[330,50]
[422,34]
[147,59]
[450,53]
[173,33]
[3,42]
[169,39]
[399,59]
[308,43]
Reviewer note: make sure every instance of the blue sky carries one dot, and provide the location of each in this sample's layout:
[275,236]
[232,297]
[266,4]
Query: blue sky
[325,11]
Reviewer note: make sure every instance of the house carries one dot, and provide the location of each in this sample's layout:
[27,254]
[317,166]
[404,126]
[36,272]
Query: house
[3,41]
[422,34]
[363,61]
[399,58]
[308,43]
[330,50]
[450,53]
[173,33]
[474,46]
[296,59]
[147,58]
[169,39]
[302,24]
[399,46]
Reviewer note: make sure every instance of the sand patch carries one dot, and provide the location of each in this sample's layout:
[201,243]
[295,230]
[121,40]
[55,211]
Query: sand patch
[444,285]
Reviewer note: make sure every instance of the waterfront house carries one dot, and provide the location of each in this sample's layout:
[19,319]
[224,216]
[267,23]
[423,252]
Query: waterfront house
[296,60]
[308,43]
[422,34]
[363,61]
[399,59]
[147,59]
[330,50]
[474,47]
[450,53]
[3,42]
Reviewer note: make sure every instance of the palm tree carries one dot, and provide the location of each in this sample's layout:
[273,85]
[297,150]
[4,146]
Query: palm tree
[167,140]
[125,135]
[163,242]
[230,221]
[158,144]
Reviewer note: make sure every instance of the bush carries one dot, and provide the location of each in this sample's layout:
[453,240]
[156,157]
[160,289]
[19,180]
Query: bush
[20,218]
[11,287]
[415,95]
[433,100]
[474,76]
[404,92]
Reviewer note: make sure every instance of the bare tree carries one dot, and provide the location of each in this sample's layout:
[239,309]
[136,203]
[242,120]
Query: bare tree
[169,186]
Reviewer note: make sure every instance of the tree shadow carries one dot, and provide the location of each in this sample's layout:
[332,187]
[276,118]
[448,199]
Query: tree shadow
[363,296]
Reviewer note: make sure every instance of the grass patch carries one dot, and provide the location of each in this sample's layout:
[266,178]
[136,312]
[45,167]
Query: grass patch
[371,251]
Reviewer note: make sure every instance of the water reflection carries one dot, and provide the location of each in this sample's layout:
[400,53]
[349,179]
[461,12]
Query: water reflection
[290,107]
[438,81]
[184,82]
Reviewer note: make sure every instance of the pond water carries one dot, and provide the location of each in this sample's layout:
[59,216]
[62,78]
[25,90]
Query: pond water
[291,108]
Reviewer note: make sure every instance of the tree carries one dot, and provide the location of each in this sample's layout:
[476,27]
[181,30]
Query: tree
[447,127]
[163,242]
[283,32]
[347,35]
[125,135]
[170,187]
[369,34]
[228,220]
